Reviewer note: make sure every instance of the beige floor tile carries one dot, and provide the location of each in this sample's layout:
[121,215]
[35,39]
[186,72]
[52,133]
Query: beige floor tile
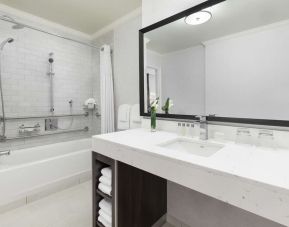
[68,208]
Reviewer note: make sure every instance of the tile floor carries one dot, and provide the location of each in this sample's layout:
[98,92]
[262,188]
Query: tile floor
[68,208]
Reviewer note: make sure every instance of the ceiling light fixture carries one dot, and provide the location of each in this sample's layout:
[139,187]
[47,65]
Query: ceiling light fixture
[198,18]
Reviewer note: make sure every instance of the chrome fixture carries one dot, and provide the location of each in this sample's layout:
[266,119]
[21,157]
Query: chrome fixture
[85,129]
[51,74]
[203,127]
[5,153]
[266,138]
[266,134]
[2,45]
[86,114]
[243,136]
[18,25]
[29,129]
[51,124]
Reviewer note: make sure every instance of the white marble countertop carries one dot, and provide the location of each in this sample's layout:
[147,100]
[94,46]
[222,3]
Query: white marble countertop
[253,178]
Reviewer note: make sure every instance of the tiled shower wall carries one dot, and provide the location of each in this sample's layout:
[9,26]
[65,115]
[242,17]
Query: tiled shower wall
[26,85]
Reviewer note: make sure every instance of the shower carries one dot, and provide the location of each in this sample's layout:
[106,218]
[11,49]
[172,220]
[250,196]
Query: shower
[2,45]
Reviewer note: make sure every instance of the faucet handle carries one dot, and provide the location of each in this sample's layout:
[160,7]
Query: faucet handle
[264,133]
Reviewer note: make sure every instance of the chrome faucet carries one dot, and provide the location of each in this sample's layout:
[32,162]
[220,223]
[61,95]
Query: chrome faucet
[6,153]
[203,127]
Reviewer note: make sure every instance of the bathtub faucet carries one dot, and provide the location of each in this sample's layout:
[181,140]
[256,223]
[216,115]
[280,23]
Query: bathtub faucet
[2,153]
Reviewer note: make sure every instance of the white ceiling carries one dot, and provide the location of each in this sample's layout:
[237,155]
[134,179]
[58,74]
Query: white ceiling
[87,16]
[229,17]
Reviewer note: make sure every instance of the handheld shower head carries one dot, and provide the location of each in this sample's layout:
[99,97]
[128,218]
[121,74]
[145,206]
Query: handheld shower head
[2,45]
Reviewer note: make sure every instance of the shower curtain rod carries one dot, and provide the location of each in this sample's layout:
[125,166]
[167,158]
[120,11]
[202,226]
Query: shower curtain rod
[7,19]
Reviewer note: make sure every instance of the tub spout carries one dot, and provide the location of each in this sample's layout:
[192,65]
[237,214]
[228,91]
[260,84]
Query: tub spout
[2,153]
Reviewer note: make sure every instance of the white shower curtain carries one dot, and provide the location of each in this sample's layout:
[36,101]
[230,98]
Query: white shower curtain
[106,90]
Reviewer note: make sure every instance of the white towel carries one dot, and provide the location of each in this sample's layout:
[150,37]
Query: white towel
[106,172]
[105,180]
[104,188]
[123,117]
[135,119]
[105,205]
[106,216]
[103,221]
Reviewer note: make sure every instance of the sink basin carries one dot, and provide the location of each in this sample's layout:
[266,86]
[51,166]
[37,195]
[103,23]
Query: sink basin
[191,147]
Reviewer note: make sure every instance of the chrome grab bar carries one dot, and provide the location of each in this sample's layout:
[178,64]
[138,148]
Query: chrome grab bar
[85,129]
[86,114]
[2,153]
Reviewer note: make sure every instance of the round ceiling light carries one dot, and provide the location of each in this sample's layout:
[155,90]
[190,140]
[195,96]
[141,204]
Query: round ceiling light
[198,18]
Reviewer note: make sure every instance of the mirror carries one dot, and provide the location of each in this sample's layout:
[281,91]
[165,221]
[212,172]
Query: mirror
[234,64]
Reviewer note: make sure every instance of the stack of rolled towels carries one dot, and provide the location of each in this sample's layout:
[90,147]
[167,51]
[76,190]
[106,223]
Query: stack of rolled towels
[105,213]
[105,181]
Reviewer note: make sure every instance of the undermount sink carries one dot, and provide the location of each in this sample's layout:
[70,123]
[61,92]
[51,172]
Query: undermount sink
[191,147]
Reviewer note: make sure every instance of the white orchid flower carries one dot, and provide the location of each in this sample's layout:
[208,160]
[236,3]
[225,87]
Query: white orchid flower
[155,104]
[171,104]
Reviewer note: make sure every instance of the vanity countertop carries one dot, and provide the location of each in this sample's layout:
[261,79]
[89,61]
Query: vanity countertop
[253,178]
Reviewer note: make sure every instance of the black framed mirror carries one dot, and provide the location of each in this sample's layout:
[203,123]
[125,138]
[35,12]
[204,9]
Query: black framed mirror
[224,59]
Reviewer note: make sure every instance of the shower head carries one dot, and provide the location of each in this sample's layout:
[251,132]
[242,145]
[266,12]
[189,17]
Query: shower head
[51,58]
[9,40]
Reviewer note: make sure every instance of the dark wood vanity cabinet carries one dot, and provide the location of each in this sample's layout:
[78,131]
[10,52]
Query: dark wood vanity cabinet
[140,197]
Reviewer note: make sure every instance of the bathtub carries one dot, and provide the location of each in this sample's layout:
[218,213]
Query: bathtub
[28,174]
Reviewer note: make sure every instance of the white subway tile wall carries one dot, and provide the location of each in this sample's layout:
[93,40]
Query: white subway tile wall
[26,85]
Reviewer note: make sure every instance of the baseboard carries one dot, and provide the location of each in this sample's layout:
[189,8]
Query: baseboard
[160,222]
[169,220]
[174,221]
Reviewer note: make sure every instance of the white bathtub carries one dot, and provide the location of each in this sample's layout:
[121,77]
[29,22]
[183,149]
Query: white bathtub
[28,173]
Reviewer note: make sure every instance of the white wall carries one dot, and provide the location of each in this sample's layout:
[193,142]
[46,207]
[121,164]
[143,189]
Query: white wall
[182,75]
[126,66]
[153,60]
[183,80]
[247,74]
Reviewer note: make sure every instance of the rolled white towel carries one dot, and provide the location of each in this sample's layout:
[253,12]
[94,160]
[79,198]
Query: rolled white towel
[103,221]
[106,216]
[105,180]
[106,172]
[105,205]
[104,188]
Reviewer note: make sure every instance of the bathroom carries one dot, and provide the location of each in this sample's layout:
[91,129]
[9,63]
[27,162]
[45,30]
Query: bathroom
[144,113]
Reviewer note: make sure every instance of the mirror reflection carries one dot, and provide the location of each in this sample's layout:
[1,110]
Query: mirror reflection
[230,60]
